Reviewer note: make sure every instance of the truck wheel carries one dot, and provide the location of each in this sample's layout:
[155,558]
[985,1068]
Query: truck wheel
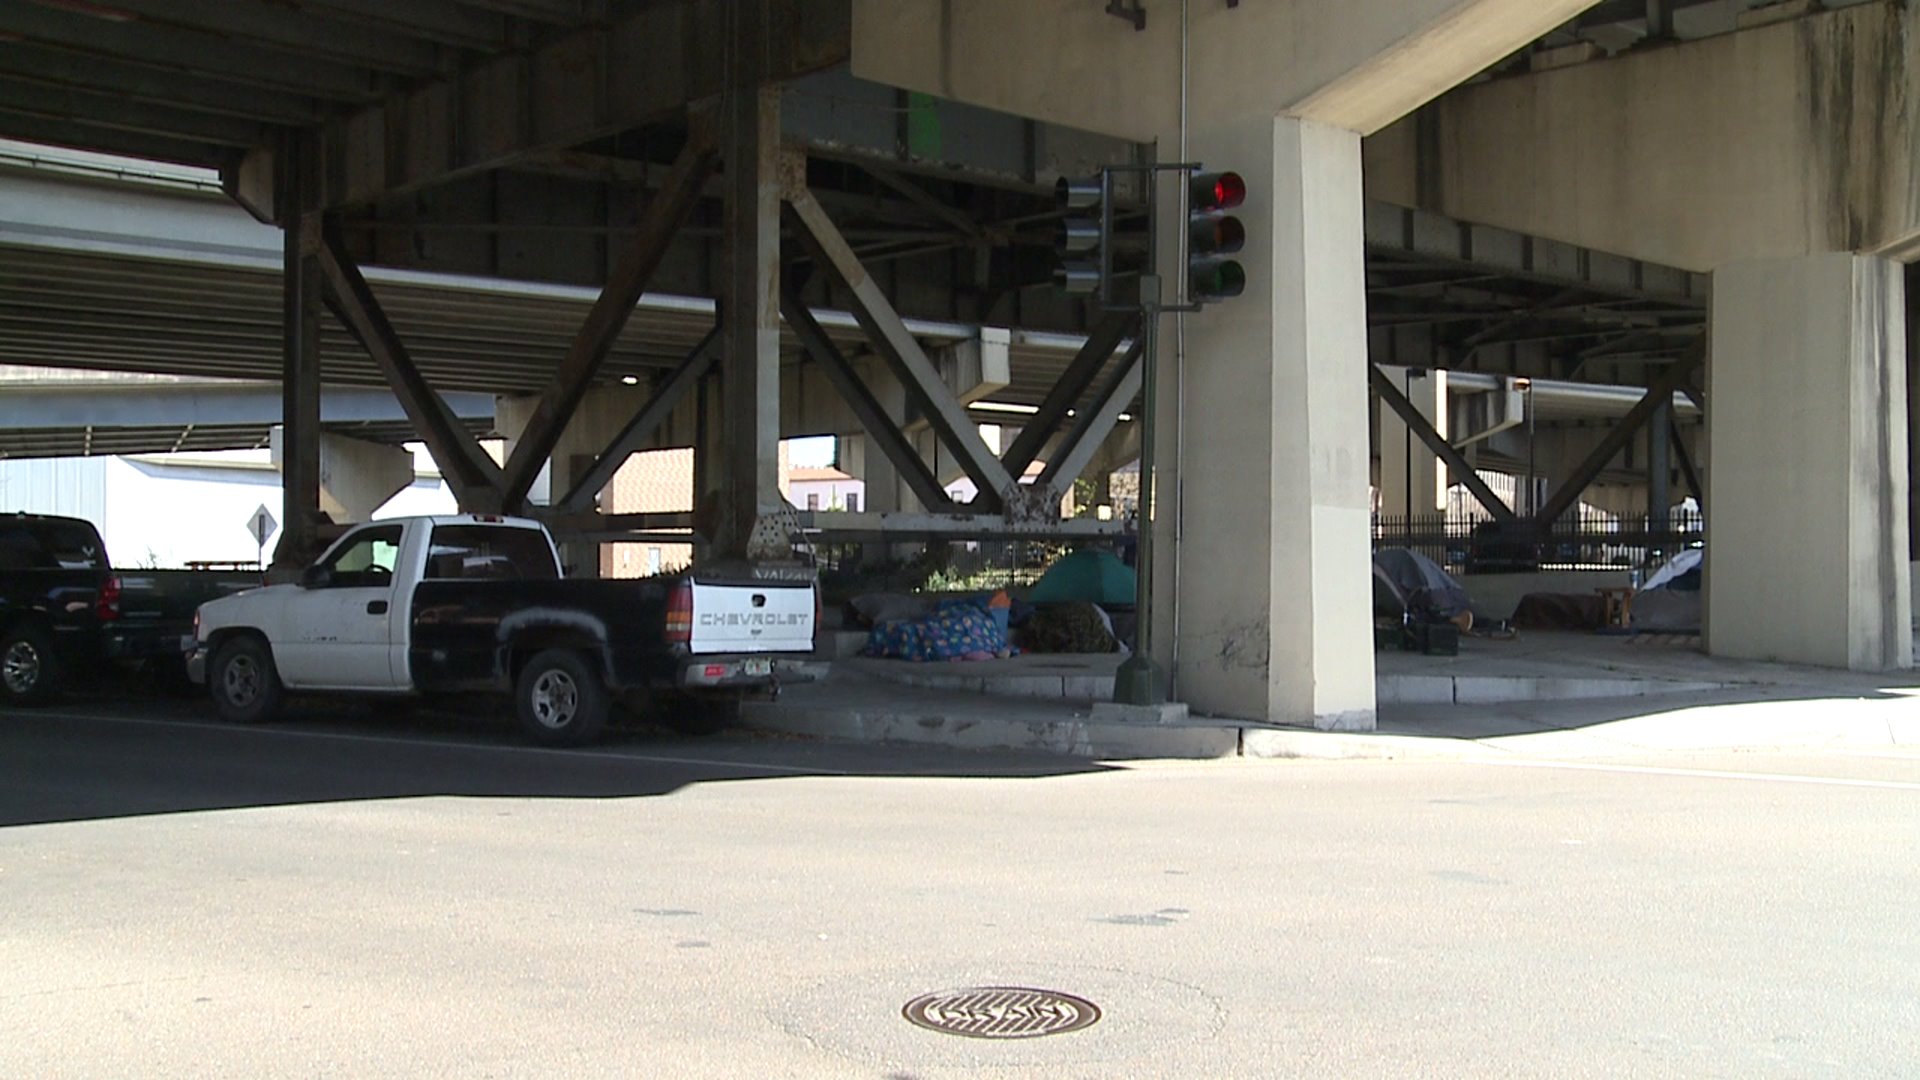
[561,700]
[700,714]
[246,689]
[29,672]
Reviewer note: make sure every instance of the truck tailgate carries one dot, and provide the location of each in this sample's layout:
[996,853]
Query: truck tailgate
[770,616]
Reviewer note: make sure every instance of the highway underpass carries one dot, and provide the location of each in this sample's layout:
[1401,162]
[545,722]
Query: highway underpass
[372,216]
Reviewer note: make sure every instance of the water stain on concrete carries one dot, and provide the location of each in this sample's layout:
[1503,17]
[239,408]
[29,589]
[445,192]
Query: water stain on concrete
[1163,917]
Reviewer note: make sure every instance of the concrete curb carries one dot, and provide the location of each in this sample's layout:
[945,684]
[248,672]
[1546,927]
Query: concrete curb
[1392,689]
[1074,737]
[1510,689]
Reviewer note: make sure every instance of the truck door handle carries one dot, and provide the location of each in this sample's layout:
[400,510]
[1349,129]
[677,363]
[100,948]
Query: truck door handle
[376,607]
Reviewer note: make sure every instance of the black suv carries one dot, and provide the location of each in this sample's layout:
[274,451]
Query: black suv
[60,607]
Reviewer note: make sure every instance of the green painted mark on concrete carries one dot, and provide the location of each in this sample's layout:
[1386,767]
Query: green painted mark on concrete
[923,126]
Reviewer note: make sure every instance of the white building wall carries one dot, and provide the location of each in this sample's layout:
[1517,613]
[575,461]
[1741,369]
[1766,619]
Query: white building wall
[74,487]
[166,512]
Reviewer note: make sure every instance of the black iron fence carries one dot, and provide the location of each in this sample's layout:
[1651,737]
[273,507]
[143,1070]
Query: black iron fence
[850,568]
[1476,545]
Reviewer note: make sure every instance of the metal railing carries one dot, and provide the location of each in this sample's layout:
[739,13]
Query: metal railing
[1586,541]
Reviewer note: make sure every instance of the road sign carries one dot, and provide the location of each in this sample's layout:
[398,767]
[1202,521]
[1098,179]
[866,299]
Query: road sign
[261,525]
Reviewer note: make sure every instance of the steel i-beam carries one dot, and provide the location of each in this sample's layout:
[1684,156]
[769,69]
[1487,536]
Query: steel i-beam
[1073,384]
[608,317]
[475,479]
[889,335]
[300,383]
[638,430]
[1661,392]
[1463,472]
[886,435]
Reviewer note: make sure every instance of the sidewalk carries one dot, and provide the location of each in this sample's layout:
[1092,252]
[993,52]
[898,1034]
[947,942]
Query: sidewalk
[1538,666]
[1756,707]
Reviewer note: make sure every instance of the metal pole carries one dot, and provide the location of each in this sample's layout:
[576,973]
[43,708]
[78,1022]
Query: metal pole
[1406,443]
[1138,682]
[1179,375]
[1533,486]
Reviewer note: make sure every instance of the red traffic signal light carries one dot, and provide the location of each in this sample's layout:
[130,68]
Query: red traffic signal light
[1217,191]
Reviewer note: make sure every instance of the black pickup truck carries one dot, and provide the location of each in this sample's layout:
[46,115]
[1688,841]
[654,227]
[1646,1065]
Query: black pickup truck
[66,612]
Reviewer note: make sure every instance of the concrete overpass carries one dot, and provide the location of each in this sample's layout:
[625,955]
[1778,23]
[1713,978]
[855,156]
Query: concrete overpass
[185,282]
[681,147]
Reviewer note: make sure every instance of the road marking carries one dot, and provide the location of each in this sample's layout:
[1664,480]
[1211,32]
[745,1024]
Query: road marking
[1884,755]
[1708,774]
[442,744]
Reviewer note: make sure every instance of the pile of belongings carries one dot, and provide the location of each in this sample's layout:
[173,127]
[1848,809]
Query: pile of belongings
[1070,628]
[1560,611]
[1669,601]
[961,629]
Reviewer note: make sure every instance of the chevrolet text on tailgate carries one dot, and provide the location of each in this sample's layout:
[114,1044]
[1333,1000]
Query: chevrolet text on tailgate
[477,604]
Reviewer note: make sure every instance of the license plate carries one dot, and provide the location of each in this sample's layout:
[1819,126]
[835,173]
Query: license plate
[756,667]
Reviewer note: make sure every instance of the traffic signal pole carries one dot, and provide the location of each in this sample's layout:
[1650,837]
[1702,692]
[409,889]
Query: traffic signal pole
[1139,681]
[1086,247]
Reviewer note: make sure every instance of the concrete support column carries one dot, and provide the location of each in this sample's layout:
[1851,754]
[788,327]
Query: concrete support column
[1274,617]
[1409,472]
[356,477]
[1807,520]
[750,306]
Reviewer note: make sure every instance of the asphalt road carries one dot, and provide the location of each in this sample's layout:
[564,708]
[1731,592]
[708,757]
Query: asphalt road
[347,895]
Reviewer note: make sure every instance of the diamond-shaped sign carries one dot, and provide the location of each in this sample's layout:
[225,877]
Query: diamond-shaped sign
[261,525]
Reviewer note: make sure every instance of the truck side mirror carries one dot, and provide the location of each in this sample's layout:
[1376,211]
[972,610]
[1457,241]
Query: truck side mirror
[316,577]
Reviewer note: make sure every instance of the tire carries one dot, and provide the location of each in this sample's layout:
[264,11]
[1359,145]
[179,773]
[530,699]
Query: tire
[244,684]
[561,700]
[29,671]
[699,714]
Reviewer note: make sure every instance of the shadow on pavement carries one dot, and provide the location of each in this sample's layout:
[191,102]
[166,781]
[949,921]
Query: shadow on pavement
[106,757]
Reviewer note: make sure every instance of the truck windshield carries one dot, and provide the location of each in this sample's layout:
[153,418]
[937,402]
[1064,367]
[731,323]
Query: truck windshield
[480,552]
[366,558]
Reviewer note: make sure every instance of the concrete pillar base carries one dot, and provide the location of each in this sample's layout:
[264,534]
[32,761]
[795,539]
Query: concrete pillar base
[356,477]
[1807,502]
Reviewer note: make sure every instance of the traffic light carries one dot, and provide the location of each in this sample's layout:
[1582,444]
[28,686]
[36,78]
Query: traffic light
[1080,246]
[1213,234]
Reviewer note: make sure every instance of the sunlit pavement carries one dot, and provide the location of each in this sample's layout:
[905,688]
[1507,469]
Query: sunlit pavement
[359,894]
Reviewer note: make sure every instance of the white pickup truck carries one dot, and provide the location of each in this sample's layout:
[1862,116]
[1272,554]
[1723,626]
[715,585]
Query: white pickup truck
[443,605]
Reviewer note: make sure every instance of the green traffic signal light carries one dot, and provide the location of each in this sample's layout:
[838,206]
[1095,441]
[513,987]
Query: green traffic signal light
[1215,279]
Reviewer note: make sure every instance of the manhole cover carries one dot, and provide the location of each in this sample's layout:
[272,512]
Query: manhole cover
[1001,1012]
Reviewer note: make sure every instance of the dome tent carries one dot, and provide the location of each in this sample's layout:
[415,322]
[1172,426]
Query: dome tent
[1419,583]
[1090,576]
